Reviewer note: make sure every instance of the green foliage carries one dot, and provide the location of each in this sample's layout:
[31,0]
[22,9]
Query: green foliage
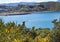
[55,33]
[11,32]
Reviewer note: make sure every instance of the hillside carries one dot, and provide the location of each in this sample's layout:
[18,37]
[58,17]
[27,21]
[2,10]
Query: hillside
[52,6]
[30,7]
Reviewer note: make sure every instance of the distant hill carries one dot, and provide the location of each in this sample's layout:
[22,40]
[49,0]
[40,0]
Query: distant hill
[20,3]
[31,6]
[51,6]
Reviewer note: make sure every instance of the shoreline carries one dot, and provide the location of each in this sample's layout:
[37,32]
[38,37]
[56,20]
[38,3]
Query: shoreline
[14,13]
[19,13]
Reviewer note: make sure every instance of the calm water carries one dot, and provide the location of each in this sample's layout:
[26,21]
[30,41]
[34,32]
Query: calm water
[38,19]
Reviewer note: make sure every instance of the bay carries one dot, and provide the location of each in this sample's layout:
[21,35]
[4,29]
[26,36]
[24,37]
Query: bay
[37,19]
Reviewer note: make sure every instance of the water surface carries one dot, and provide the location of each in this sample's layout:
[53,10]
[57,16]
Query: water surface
[37,19]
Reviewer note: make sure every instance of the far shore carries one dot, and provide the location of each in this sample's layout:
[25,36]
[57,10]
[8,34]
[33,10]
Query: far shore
[14,13]
[19,13]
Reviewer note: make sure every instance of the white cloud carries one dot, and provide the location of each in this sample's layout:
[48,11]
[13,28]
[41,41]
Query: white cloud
[51,0]
[13,1]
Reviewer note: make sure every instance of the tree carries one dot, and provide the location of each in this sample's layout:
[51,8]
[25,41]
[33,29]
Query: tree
[55,33]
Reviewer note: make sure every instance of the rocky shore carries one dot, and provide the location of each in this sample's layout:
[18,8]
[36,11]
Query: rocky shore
[14,13]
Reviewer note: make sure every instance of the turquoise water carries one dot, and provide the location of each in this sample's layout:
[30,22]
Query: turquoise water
[37,19]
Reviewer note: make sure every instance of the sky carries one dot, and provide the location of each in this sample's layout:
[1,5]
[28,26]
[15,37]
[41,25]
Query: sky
[14,1]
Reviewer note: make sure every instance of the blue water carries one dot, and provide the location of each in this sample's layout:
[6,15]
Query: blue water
[38,19]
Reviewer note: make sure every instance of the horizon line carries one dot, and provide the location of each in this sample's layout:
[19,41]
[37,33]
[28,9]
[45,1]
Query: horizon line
[28,2]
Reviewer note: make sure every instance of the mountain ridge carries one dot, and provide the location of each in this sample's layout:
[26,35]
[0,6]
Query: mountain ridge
[21,3]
